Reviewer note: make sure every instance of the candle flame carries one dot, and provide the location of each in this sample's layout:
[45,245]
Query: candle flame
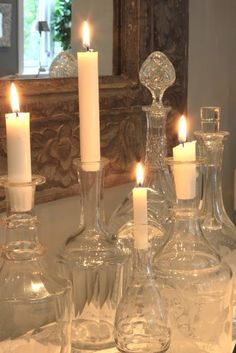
[139,174]
[86,35]
[14,99]
[182,131]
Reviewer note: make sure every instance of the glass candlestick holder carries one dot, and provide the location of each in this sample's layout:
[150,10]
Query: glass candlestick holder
[96,265]
[194,281]
[156,74]
[35,305]
[216,225]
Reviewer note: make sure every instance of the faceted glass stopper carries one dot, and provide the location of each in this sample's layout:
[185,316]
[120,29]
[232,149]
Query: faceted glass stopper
[157,74]
[210,119]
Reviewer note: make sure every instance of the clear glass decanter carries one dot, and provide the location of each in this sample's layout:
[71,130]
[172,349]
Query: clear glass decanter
[35,305]
[140,323]
[216,225]
[96,265]
[156,74]
[194,281]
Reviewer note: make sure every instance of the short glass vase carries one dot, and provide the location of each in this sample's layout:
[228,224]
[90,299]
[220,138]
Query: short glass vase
[35,304]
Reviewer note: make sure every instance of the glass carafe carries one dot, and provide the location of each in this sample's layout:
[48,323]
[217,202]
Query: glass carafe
[194,281]
[96,265]
[141,322]
[156,74]
[216,225]
[35,305]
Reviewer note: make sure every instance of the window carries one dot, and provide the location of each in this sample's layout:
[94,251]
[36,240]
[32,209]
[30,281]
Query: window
[1,25]
[36,50]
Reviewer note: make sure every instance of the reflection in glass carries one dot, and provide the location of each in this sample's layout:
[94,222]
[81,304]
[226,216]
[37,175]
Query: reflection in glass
[1,25]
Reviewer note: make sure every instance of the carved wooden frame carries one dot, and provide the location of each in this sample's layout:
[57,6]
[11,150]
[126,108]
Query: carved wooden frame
[141,26]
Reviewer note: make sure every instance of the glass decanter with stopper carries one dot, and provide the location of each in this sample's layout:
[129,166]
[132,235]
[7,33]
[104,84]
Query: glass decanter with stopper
[140,322]
[216,225]
[156,74]
[35,305]
[194,281]
[96,266]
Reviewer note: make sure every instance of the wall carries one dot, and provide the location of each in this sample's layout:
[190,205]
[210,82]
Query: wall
[9,56]
[212,74]
[100,15]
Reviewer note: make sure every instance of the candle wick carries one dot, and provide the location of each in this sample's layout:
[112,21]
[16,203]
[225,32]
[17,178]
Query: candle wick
[182,144]
[17,113]
[87,48]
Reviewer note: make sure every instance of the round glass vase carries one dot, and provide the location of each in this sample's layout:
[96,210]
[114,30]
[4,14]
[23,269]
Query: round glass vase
[194,281]
[96,265]
[216,224]
[35,305]
[121,221]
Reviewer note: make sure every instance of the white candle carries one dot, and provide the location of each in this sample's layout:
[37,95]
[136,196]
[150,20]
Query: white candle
[185,175]
[18,152]
[140,211]
[89,102]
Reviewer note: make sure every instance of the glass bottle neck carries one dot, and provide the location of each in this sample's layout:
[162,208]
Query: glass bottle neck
[186,220]
[156,140]
[20,224]
[213,200]
[91,191]
[141,262]
[213,205]
[21,237]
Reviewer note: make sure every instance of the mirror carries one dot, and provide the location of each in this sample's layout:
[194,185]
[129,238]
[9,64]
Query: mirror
[53,103]
[100,16]
[48,27]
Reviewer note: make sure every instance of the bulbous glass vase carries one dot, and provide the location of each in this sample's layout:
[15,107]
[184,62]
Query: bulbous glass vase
[194,281]
[216,225]
[96,266]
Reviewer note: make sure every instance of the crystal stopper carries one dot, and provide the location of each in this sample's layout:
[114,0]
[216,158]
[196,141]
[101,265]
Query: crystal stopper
[210,119]
[157,74]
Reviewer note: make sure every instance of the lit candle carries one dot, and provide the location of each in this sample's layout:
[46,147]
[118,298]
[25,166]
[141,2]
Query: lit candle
[89,101]
[18,150]
[140,211]
[184,175]
[18,142]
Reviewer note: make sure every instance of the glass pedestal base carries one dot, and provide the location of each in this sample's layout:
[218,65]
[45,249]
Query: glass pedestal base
[86,331]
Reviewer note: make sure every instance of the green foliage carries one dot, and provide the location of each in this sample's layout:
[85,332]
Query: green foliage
[62,23]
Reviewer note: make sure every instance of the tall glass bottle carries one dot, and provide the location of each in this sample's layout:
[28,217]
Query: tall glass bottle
[35,305]
[194,281]
[140,323]
[156,74]
[96,265]
[216,225]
